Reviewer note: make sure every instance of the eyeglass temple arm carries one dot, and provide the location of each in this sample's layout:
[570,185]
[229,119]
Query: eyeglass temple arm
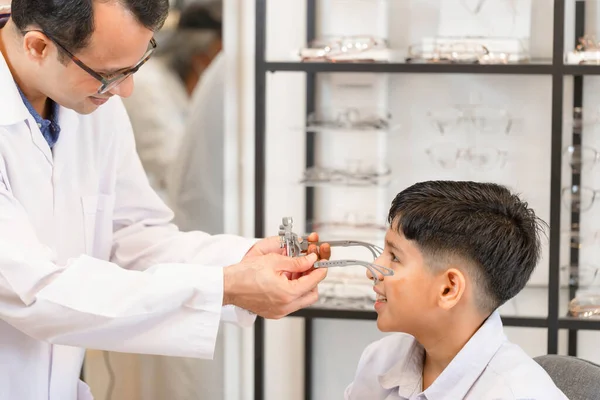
[376,251]
[345,263]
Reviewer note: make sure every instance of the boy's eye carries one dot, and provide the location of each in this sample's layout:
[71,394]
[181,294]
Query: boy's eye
[394,258]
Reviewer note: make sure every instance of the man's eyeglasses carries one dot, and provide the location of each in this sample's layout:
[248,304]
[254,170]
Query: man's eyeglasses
[107,83]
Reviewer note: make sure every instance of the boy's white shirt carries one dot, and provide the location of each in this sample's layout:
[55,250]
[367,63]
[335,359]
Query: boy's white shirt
[488,367]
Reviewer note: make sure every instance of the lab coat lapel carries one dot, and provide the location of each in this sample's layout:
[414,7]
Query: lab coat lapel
[38,139]
[65,371]
[65,147]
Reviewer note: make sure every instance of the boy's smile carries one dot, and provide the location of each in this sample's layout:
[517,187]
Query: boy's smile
[381,299]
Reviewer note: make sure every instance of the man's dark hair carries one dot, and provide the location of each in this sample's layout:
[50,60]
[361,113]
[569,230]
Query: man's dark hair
[71,22]
[483,224]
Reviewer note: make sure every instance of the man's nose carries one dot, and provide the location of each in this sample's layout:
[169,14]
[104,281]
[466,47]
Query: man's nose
[124,89]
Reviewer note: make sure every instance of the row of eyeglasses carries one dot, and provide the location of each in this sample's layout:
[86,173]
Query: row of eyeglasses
[438,50]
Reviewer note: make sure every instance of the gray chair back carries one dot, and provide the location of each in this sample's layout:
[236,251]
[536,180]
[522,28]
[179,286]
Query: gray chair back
[578,379]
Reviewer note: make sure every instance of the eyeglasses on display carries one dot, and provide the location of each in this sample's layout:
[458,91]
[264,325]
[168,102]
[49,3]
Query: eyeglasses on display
[587,52]
[581,158]
[585,275]
[586,304]
[579,239]
[448,156]
[355,175]
[446,53]
[346,49]
[579,198]
[460,52]
[349,119]
[477,118]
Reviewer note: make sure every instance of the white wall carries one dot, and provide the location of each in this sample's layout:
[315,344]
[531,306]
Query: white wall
[338,344]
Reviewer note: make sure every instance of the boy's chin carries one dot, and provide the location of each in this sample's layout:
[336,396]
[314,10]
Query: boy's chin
[387,324]
[384,325]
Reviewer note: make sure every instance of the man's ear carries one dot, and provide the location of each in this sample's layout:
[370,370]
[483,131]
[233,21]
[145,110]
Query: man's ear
[36,46]
[452,288]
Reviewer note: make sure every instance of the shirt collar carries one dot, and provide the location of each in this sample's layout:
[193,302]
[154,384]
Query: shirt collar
[49,127]
[459,376]
[407,374]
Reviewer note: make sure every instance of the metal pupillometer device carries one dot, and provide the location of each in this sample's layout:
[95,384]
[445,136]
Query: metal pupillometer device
[296,245]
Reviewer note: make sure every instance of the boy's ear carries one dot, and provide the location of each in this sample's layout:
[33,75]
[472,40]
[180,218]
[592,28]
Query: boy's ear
[452,288]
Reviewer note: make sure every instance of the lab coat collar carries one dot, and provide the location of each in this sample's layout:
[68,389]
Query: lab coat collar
[459,376]
[12,109]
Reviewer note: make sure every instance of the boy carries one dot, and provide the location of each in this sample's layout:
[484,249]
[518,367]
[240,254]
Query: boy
[458,250]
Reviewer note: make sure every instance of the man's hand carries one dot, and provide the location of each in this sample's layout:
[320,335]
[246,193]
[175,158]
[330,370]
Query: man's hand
[262,284]
[273,245]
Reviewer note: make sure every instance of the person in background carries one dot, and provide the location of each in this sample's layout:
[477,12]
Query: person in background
[195,188]
[195,192]
[158,108]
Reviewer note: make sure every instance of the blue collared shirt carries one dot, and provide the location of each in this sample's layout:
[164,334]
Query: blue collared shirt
[488,367]
[49,127]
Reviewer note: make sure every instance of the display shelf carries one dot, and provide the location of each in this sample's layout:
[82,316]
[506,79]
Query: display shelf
[553,319]
[329,313]
[579,323]
[541,67]
[581,69]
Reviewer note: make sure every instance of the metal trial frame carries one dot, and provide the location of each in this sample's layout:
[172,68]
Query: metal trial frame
[554,68]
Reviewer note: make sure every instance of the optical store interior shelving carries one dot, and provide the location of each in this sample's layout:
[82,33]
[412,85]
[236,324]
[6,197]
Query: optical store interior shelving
[375,99]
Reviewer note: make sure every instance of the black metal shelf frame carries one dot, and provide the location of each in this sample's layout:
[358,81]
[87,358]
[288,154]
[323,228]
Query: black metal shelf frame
[394,68]
[554,68]
[542,68]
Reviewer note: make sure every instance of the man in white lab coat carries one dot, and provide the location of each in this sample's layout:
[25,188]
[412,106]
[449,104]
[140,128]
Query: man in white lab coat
[88,257]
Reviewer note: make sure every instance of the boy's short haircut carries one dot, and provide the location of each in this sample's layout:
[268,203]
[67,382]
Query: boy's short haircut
[482,224]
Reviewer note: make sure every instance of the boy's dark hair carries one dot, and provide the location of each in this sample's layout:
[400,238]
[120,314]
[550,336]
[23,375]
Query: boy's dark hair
[481,223]
[71,22]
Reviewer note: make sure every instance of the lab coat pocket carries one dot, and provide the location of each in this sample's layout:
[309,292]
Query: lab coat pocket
[97,219]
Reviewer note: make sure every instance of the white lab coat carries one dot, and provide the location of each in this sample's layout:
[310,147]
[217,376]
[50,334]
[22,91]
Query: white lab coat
[158,110]
[63,214]
[195,186]
[196,195]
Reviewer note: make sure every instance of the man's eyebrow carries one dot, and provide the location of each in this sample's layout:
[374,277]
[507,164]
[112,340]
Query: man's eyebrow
[113,71]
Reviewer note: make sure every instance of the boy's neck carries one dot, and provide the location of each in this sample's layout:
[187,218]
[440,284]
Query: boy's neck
[443,344]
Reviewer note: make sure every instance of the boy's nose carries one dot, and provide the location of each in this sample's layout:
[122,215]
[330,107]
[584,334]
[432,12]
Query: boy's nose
[372,271]
[373,275]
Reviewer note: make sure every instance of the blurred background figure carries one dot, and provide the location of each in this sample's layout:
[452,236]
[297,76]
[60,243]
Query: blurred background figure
[159,105]
[195,183]
[195,192]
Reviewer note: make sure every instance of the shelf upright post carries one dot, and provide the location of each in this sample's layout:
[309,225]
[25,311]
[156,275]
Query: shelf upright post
[576,174]
[311,97]
[555,173]
[260,110]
